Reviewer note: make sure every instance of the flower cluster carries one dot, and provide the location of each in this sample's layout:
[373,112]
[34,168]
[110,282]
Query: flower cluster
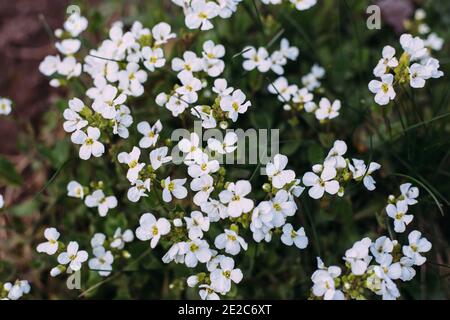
[298,99]
[398,206]
[336,171]
[298,4]
[373,266]
[107,250]
[261,60]
[66,67]
[200,214]
[118,71]
[269,217]
[414,67]
[5,106]
[198,13]
[420,27]
[96,199]
[225,103]
[14,291]
[70,258]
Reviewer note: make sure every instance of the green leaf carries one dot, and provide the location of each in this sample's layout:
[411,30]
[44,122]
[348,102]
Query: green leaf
[25,208]
[9,173]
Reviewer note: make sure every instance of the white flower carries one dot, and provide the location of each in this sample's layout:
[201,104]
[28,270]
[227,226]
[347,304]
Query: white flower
[109,100]
[150,228]
[73,120]
[89,143]
[75,24]
[288,51]
[153,58]
[132,160]
[211,58]
[173,187]
[408,272]
[69,67]
[434,42]
[384,92]
[234,196]
[418,74]
[120,41]
[358,256]
[432,65]
[230,241]
[417,245]
[196,224]
[68,46]
[150,133]
[324,183]
[200,13]
[360,171]
[389,290]
[190,63]
[275,170]
[398,213]
[327,110]
[158,157]
[388,61]
[227,146]
[409,193]
[99,200]
[139,190]
[119,238]
[256,59]
[49,65]
[51,246]
[189,88]
[305,98]
[204,185]
[323,280]
[161,33]
[75,190]
[388,270]
[214,209]
[303,4]
[131,79]
[73,256]
[203,166]
[198,250]
[414,46]
[282,88]
[98,240]
[17,290]
[335,155]
[221,88]
[122,121]
[222,277]
[381,247]
[276,210]
[290,236]
[2,202]
[176,253]
[176,105]
[207,293]
[102,262]
[5,106]
[191,148]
